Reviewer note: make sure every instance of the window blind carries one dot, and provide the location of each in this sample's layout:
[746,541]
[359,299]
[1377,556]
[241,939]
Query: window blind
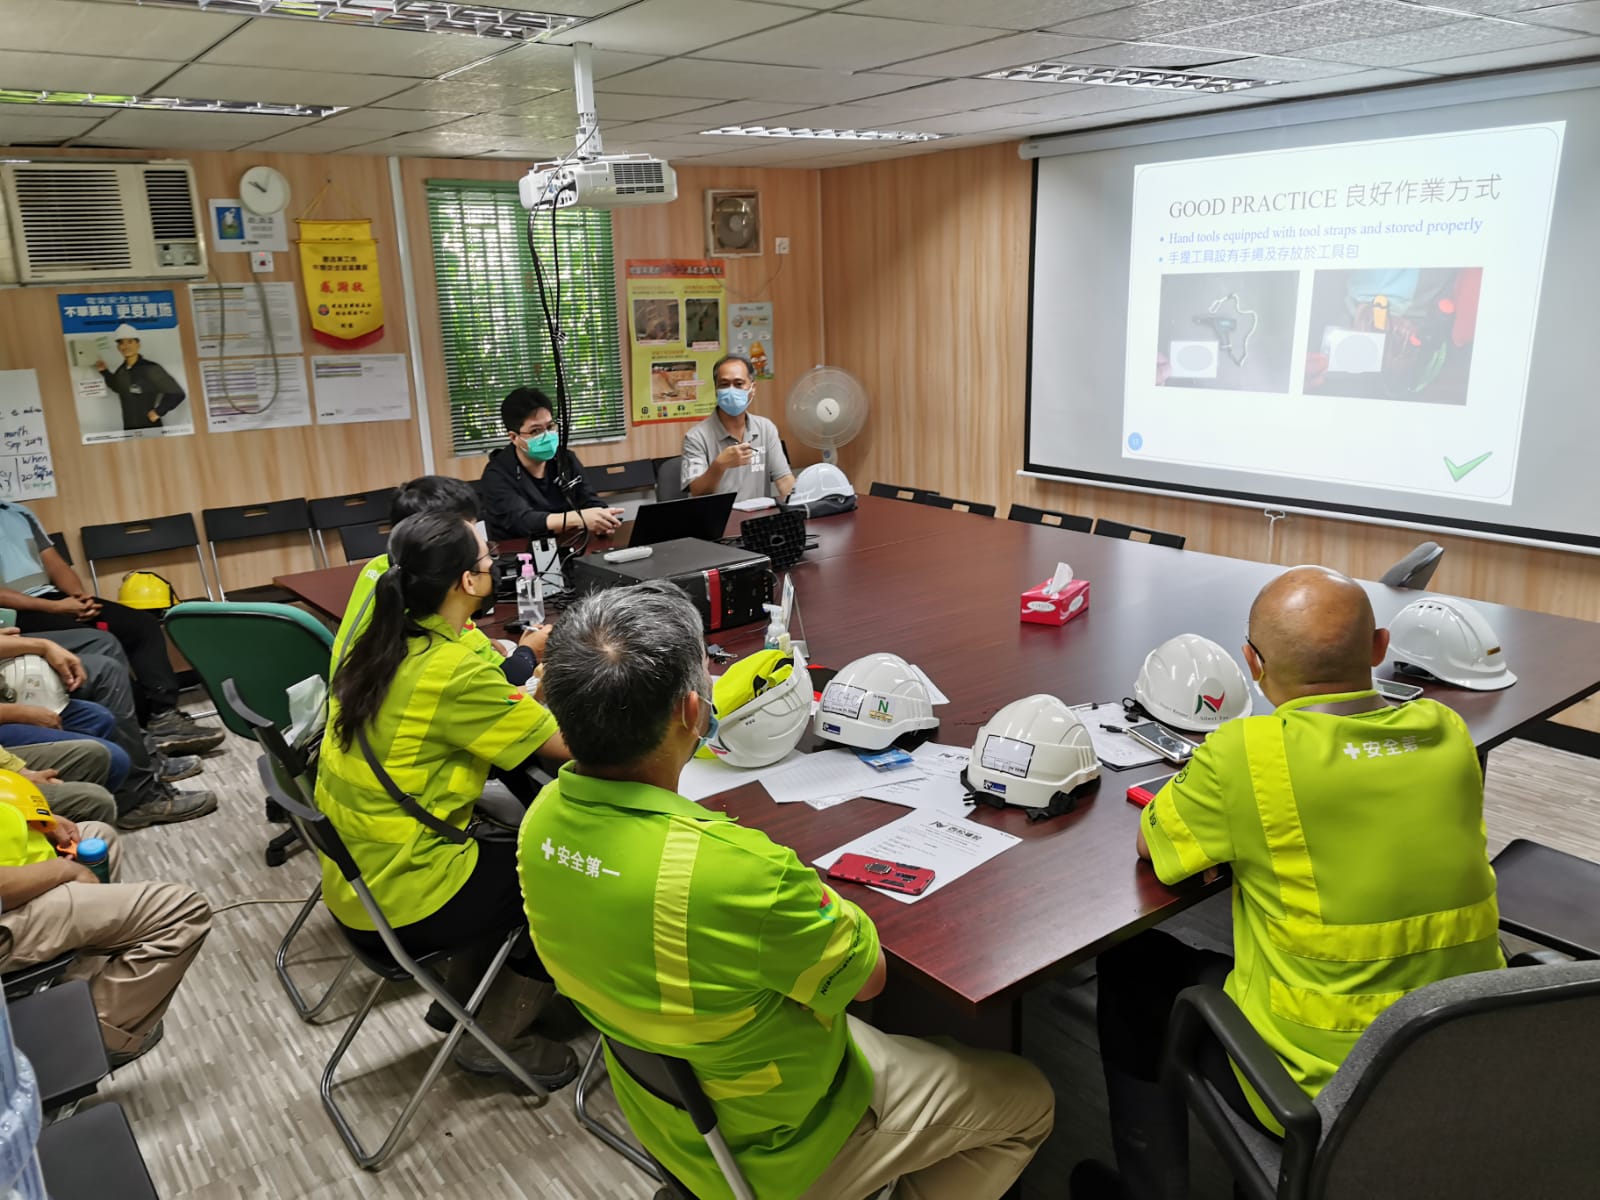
[492,325]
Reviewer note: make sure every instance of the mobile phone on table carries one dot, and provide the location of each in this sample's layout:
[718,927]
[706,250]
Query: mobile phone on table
[1393,689]
[876,872]
[1146,791]
[1163,741]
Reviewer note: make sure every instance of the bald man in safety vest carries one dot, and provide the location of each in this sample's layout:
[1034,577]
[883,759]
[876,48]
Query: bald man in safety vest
[1354,829]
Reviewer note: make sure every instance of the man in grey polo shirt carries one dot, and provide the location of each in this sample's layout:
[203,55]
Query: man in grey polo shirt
[733,450]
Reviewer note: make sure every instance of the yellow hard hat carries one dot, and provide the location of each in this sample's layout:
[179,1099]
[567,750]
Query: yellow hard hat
[146,589]
[24,796]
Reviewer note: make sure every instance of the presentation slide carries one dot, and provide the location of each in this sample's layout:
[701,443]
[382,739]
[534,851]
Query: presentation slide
[1304,298]
[1378,305]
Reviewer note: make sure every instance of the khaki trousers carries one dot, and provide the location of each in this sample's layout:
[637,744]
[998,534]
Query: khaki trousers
[947,1121]
[134,941]
[84,767]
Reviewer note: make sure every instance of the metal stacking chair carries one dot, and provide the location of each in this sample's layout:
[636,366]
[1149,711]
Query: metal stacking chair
[285,773]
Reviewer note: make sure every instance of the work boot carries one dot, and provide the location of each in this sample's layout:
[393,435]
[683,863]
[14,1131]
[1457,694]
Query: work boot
[167,806]
[178,733]
[121,1058]
[1150,1134]
[559,1020]
[170,770]
[510,1007]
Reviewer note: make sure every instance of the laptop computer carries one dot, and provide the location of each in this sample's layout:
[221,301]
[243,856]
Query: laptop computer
[703,517]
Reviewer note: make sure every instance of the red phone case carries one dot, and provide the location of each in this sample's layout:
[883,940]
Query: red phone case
[1142,793]
[891,876]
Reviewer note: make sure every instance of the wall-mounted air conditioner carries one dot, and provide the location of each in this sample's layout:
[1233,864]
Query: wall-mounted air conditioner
[78,222]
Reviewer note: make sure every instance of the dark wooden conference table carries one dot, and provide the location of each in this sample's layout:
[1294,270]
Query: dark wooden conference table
[941,588]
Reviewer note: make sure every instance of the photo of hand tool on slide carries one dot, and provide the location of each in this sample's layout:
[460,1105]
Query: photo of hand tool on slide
[1393,333]
[1230,330]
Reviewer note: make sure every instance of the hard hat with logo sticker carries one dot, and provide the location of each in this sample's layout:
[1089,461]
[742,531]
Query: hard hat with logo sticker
[822,489]
[22,794]
[1190,682]
[30,679]
[1450,640]
[763,703]
[146,589]
[1033,753]
[874,701]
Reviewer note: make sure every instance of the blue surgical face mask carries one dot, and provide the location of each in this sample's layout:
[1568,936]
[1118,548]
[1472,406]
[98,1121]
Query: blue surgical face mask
[543,447]
[711,729]
[732,400]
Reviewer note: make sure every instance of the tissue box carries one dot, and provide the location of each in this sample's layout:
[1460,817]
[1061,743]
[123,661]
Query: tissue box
[1071,601]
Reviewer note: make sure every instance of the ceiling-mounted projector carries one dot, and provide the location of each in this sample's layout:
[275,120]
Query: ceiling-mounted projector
[612,182]
[589,177]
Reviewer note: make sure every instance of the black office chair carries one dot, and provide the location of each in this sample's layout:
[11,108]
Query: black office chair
[285,772]
[356,508]
[60,1034]
[1137,533]
[672,1081]
[59,541]
[152,535]
[933,499]
[669,479]
[1550,897]
[362,542]
[1043,516]
[86,1153]
[1415,569]
[606,478]
[1473,1086]
[893,491]
[243,521]
[25,981]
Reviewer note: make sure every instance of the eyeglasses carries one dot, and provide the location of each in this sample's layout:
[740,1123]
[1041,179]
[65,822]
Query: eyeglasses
[536,430]
[1262,658]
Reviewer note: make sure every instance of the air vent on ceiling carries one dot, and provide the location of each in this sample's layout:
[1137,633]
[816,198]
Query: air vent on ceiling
[68,222]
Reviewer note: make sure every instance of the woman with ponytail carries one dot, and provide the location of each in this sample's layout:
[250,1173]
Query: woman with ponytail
[415,722]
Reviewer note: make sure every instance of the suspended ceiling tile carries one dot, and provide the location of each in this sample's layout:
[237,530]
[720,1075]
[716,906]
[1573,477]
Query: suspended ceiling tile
[998,14]
[1584,18]
[616,106]
[1485,7]
[1318,24]
[49,129]
[279,86]
[1352,81]
[1090,101]
[318,46]
[390,121]
[742,81]
[1499,60]
[956,95]
[1267,66]
[82,72]
[549,67]
[463,97]
[1154,54]
[194,130]
[1152,21]
[544,128]
[1465,37]
[838,42]
[315,139]
[678,26]
[739,112]
[1019,50]
[989,120]
[680,130]
[114,30]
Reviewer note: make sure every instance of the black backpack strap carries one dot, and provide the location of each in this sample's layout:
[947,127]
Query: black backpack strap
[448,832]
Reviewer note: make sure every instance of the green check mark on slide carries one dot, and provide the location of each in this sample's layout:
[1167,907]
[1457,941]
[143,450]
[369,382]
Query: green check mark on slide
[1466,468]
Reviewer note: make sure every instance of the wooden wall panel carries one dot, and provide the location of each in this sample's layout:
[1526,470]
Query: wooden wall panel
[792,283]
[925,287]
[156,476]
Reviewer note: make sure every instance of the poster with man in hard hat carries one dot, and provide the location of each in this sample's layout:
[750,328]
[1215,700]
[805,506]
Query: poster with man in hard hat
[126,361]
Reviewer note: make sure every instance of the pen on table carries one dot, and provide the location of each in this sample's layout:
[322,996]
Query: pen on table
[1112,728]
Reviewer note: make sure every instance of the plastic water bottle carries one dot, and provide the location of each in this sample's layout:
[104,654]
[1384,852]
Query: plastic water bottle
[20,1117]
[530,595]
[92,853]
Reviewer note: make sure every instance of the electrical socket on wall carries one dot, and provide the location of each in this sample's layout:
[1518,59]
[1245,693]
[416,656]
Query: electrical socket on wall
[260,260]
[781,245]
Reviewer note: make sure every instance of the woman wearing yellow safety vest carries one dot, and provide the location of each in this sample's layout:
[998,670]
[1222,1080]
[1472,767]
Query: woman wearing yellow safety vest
[415,722]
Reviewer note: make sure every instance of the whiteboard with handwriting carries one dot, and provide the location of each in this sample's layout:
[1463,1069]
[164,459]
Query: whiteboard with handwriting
[26,469]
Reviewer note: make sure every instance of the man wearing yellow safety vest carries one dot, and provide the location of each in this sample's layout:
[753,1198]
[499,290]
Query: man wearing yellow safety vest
[1355,832]
[678,931]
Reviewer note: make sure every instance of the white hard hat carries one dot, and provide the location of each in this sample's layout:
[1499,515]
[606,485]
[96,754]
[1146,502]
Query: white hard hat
[1190,682]
[763,703]
[823,490]
[124,331]
[872,702]
[30,679]
[1450,640]
[1032,753]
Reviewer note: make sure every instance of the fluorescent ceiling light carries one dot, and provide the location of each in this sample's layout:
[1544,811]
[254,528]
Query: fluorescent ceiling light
[420,16]
[827,135]
[1140,77]
[169,103]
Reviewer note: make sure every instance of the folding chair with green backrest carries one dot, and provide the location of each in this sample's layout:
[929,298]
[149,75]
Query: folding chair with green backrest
[263,649]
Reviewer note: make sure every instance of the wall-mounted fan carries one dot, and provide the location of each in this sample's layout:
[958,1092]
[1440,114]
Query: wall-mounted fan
[733,224]
[827,407]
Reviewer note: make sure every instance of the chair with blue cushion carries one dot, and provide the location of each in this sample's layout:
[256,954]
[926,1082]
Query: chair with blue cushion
[263,650]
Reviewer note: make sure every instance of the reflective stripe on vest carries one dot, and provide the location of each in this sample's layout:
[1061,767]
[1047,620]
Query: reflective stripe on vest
[1301,931]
